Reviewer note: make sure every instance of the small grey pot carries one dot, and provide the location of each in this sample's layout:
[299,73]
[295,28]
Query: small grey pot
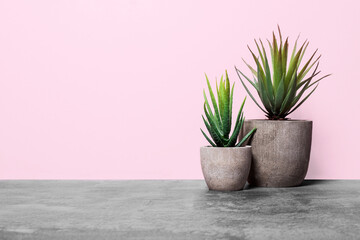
[280,152]
[225,169]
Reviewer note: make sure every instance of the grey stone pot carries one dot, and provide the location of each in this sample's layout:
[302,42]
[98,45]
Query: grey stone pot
[280,152]
[225,169]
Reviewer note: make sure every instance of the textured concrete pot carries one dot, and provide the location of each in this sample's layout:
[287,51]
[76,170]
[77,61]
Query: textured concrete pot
[225,169]
[280,152]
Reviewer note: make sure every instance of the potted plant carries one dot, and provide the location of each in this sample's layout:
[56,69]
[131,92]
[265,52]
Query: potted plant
[226,163]
[281,146]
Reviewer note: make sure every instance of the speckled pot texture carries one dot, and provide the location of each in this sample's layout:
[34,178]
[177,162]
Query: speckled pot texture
[280,152]
[225,169]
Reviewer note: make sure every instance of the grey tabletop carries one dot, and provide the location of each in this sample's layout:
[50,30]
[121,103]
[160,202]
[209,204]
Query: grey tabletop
[178,209]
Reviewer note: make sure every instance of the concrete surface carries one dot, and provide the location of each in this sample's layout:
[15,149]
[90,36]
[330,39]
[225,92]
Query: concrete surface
[177,210]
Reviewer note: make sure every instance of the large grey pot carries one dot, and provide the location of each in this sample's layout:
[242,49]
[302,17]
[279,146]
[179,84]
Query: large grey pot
[280,152]
[225,169]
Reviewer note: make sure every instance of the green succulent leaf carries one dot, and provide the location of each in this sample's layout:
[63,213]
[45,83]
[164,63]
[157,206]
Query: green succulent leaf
[250,67]
[231,104]
[285,54]
[213,100]
[215,134]
[247,136]
[238,125]
[300,75]
[216,122]
[225,107]
[253,83]
[260,53]
[236,131]
[302,54]
[279,98]
[247,90]
[268,83]
[220,130]
[282,89]
[286,104]
[207,138]
[294,49]
[260,69]
[304,99]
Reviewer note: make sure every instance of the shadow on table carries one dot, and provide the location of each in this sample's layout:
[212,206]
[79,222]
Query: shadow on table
[303,184]
[312,182]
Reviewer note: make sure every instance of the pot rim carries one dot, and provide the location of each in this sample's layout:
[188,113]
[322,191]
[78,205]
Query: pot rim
[268,120]
[232,148]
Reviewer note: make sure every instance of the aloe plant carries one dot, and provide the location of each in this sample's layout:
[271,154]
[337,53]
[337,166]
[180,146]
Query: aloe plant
[218,120]
[280,91]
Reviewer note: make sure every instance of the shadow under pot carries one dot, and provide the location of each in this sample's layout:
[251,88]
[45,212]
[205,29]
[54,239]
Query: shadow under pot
[280,152]
[225,169]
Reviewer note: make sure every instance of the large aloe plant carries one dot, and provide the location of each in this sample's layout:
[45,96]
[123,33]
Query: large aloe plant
[281,90]
[218,119]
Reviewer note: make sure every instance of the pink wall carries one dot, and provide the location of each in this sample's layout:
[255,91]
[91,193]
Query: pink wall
[113,89]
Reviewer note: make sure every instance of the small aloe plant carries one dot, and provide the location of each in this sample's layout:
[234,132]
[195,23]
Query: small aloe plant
[280,91]
[218,120]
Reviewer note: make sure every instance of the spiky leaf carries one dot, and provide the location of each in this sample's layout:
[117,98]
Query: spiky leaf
[220,130]
[278,91]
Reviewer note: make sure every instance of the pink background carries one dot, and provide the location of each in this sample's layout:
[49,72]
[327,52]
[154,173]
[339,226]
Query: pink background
[113,89]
